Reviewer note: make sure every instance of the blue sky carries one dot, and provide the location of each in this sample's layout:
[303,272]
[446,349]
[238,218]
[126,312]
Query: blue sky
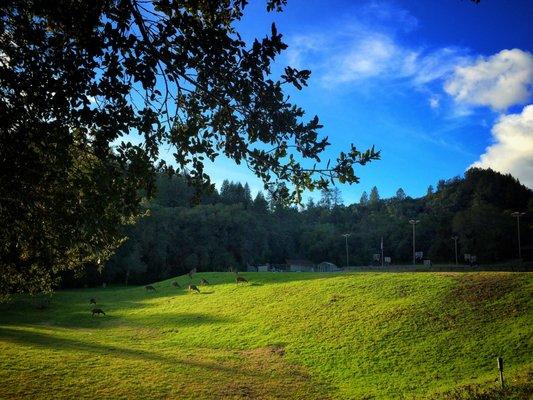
[437,86]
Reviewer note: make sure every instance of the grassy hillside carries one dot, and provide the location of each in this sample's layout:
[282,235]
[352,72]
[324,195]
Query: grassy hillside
[349,336]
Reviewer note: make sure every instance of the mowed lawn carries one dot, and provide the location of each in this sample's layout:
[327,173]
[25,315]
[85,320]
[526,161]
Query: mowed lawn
[282,335]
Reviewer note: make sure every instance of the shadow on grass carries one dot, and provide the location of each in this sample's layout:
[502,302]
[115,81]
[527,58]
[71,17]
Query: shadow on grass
[71,308]
[44,340]
[85,320]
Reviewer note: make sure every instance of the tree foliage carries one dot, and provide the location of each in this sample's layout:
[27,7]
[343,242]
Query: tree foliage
[91,90]
[400,194]
[364,198]
[225,233]
[374,196]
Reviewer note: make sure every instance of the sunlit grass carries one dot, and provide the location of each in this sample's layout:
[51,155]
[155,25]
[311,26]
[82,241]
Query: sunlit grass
[293,335]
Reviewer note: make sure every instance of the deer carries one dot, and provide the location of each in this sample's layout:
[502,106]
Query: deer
[150,288]
[241,279]
[203,281]
[176,284]
[194,288]
[97,311]
[92,301]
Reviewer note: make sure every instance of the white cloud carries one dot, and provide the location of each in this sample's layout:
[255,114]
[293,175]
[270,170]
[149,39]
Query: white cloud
[512,151]
[437,64]
[360,55]
[499,81]
[434,102]
[302,45]
[363,57]
[368,53]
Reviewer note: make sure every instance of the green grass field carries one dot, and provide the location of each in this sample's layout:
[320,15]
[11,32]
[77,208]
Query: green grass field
[290,335]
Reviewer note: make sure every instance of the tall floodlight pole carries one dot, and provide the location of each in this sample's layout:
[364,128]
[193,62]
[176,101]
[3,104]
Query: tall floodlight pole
[518,214]
[346,239]
[455,237]
[413,222]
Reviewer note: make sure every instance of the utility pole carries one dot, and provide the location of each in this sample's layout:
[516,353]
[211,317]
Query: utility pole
[413,222]
[518,214]
[455,237]
[346,239]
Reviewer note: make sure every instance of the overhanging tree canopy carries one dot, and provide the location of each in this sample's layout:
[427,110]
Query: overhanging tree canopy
[76,77]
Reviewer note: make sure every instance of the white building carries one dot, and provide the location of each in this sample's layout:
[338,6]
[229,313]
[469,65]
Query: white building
[326,266]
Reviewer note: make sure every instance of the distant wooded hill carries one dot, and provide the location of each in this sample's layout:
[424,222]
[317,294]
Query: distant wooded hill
[229,228]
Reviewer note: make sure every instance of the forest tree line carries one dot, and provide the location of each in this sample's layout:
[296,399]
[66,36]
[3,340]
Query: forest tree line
[232,228]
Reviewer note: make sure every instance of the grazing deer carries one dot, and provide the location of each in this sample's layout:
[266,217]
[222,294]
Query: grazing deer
[92,301]
[97,311]
[194,288]
[241,279]
[191,273]
[203,281]
[150,288]
[176,284]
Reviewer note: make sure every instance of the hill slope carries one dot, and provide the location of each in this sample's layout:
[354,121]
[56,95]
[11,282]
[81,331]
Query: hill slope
[365,335]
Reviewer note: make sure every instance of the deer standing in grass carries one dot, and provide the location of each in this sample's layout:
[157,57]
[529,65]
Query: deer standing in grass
[92,301]
[97,311]
[241,279]
[194,288]
[150,288]
[176,284]
[204,282]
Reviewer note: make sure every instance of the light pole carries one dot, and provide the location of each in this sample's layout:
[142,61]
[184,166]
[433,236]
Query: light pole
[518,214]
[346,239]
[413,222]
[455,237]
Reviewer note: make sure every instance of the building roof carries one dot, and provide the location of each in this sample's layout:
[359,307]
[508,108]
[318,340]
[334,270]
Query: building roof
[328,264]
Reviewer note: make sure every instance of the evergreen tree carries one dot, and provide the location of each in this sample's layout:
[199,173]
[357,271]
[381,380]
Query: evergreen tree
[364,199]
[225,194]
[260,204]
[336,196]
[326,198]
[374,196]
[400,194]
[247,195]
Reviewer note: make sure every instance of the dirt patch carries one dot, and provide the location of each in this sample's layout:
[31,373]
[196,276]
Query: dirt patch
[262,352]
[478,289]
[402,291]
[264,373]
[481,297]
[261,373]
[335,298]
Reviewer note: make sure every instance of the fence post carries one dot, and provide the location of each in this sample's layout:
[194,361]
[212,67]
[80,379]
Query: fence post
[500,370]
